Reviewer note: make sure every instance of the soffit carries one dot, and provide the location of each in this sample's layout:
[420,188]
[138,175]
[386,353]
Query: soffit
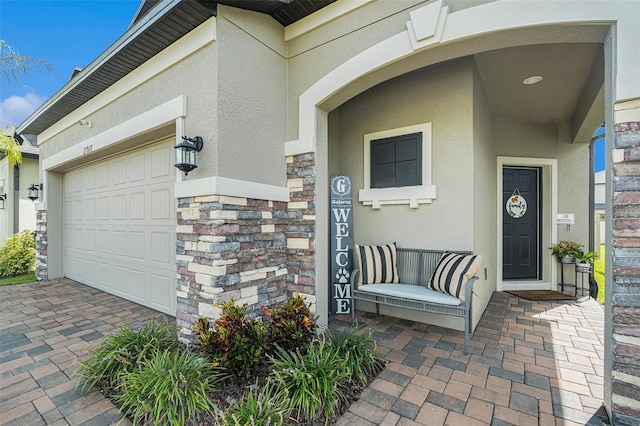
[157,24]
[286,12]
[145,39]
[565,69]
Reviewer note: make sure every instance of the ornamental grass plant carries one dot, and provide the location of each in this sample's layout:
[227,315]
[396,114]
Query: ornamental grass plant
[357,351]
[168,388]
[123,351]
[314,382]
[261,407]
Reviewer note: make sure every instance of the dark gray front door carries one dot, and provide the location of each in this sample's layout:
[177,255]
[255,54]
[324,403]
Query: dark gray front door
[520,227]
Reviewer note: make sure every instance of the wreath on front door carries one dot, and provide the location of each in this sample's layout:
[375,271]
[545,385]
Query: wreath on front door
[516,204]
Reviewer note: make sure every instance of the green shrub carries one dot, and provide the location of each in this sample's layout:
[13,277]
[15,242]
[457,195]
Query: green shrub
[168,388]
[357,351]
[313,382]
[291,325]
[261,407]
[120,353]
[18,254]
[234,342]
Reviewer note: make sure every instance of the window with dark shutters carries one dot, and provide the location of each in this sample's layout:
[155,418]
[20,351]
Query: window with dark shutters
[396,161]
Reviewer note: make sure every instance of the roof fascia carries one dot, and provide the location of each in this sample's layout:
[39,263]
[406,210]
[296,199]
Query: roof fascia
[129,36]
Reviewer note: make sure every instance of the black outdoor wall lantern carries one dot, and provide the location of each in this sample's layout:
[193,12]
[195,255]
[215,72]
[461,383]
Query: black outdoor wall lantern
[3,198]
[186,153]
[32,191]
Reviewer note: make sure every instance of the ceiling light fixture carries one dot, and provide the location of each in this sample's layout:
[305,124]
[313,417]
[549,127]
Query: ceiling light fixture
[532,80]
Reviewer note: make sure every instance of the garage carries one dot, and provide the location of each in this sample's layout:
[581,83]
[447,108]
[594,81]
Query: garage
[119,226]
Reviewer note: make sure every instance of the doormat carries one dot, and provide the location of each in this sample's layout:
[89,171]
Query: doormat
[541,295]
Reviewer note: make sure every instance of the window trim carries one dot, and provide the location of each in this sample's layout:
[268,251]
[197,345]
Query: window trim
[411,195]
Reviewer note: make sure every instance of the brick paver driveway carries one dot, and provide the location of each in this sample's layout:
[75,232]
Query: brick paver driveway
[530,363]
[44,329]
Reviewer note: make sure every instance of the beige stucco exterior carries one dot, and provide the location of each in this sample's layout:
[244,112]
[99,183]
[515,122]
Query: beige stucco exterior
[25,208]
[260,94]
[246,113]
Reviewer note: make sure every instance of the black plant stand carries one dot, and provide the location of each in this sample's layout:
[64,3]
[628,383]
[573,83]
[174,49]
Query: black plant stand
[584,272]
[562,283]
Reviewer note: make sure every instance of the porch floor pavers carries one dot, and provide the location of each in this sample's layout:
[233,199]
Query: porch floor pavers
[538,363]
[529,363]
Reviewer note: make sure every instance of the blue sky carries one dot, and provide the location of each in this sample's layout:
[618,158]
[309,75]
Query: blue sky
[63,33]
[67,34]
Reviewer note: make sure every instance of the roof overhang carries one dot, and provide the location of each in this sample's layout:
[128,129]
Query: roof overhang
[157,25]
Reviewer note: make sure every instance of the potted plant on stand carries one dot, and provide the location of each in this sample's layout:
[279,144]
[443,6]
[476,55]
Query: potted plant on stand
[565,251]
[584,260]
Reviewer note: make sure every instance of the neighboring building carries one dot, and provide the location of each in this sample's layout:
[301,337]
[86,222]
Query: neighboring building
[19,212]
[435,108]
[599,206]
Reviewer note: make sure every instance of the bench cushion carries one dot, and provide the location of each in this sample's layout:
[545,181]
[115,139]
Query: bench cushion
[452,273]
[377,264]
[413,292]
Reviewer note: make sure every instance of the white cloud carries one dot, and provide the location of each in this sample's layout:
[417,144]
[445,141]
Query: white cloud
[15,109]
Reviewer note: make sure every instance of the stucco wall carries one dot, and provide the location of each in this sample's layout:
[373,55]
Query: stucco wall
[182,78]
[29,174]
[6,216]
[441,95]
[251,97]
[484,196]
[318,52]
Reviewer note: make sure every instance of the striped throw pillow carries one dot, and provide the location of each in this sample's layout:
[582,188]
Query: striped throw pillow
[453,271]
[377,264]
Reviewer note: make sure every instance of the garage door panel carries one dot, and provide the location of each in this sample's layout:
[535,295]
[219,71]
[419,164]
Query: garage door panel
[103,245]
[162,248]
[136,168]
[102,176]
[119,226]
[89,240]
[119,175]
[89,209]
[137,245]
[102,207]
[160,202]
[89,178]
[119,207]
[119,282]
[136,287]
[161,290]
[161,162]
[136,205]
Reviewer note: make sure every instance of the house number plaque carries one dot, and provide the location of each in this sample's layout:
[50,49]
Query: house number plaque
[516,204]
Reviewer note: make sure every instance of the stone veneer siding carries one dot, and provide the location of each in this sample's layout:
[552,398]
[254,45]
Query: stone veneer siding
[252,251]
[42,272]
[625,297]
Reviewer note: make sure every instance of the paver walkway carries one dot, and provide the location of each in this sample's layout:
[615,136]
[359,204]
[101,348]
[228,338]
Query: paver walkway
[530,363]
[44,330]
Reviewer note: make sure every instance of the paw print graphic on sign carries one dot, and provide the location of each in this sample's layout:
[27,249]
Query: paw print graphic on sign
[343,276]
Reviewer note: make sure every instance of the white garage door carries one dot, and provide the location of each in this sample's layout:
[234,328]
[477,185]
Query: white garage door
[119,226]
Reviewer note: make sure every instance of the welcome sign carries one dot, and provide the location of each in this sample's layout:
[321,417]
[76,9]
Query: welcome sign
[341,244]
